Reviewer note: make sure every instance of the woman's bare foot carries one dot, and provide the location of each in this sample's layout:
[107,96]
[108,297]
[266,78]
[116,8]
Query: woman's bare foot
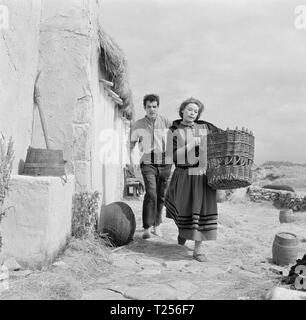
[157,231]
[201,257]
[197,255]
[146,234]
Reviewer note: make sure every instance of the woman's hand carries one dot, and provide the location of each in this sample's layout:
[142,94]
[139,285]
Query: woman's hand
[187,143]
[197,141]
[193,142]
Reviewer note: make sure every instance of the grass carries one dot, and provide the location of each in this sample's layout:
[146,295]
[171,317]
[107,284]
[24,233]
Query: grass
[6,165]
[85,260]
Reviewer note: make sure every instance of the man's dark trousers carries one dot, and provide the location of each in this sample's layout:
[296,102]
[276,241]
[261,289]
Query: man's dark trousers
[156,180]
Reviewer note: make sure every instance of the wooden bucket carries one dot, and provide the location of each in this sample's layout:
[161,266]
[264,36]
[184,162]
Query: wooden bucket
[285,248]
[44,162]
[286,216]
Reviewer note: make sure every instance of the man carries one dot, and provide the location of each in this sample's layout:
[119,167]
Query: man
[151,132]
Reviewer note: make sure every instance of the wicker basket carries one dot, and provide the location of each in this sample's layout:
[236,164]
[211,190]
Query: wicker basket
[230,156]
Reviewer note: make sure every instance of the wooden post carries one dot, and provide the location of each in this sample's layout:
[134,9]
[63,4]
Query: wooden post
[108,83]
[36,98]
[114,96]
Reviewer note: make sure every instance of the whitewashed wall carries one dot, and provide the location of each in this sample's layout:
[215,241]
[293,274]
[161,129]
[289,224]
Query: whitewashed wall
[109,149]
[64,61]
[59,38]
[19,47]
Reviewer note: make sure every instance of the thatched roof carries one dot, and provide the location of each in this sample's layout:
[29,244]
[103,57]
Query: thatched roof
[114,65]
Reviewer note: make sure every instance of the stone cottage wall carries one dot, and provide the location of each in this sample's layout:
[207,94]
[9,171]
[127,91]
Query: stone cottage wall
[59,38]
[65,48]
[19,49]
[77,107]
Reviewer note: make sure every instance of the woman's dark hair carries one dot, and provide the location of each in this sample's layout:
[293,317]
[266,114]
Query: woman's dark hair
[188,101]
[150,97]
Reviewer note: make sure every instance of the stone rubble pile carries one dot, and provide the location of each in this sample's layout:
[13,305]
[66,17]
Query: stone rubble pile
[286,199]
[293,274]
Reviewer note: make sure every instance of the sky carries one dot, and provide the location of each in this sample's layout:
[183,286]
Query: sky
[244,59]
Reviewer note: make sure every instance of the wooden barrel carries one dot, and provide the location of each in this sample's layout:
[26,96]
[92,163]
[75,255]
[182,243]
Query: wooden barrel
[285,248]
[286,216]
[117,220]
[44,162]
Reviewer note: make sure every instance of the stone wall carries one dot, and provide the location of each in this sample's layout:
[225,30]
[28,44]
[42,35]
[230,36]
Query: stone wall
[285,199]
[59,38]
[77,107]
[19,50]
[64,85]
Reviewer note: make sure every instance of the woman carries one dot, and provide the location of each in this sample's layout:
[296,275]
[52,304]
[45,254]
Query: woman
[190,201]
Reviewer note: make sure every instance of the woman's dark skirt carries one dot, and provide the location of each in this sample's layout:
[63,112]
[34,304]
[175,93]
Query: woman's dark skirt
[192,204]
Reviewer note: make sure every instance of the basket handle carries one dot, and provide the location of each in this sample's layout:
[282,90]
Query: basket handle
[229,161]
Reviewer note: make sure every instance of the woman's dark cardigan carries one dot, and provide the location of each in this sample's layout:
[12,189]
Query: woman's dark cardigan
[210,126]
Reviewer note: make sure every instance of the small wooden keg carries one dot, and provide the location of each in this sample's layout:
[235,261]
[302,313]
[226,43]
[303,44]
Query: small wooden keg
[285,248]
[118,221]
[44,162]
[286,216]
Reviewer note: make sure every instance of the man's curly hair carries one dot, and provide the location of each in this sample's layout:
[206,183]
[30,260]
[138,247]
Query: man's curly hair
[151,98]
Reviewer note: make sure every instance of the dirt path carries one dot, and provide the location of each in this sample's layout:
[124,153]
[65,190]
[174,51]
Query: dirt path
[238,267]
[239,263]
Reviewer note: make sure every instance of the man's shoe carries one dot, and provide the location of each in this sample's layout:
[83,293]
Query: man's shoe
[157,231]
[201,257]
[181,241]
[146,234]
